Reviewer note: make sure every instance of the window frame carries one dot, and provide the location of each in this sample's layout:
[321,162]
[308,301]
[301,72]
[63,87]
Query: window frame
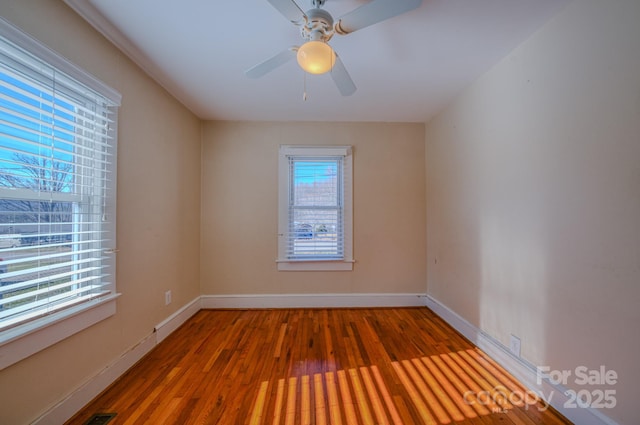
[302,152]
[23,340]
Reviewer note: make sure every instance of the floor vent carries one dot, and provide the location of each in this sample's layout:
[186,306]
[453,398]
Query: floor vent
[100,418]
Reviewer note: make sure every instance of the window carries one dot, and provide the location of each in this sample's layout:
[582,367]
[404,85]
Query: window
[315,208]
[57,190]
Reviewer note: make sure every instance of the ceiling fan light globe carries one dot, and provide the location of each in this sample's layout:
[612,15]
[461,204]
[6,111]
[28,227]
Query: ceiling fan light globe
[316,57]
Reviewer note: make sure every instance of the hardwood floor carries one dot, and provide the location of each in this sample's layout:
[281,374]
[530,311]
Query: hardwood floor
[318,366]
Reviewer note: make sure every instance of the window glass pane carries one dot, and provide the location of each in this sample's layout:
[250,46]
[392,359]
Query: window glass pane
[30,217]
[315,232]
[315,182]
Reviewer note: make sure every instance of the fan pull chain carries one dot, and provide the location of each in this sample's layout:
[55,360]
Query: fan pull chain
[304,92]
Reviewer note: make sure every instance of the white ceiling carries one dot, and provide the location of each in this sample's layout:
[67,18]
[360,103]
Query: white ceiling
[405,68]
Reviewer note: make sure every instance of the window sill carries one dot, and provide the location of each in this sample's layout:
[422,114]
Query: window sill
[22,341]
[319,265]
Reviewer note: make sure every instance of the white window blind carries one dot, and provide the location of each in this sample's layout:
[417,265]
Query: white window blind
[58,130]
[315,207]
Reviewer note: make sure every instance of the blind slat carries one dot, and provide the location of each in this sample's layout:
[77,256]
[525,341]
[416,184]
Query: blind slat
[49,289]
[96,116]
[43,257]
[49,267]
[46,134]
[52,303]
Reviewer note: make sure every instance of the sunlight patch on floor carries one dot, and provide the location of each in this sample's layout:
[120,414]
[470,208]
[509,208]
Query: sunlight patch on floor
[443,389]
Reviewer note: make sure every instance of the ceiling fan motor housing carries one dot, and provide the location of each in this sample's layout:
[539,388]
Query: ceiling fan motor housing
[318,25]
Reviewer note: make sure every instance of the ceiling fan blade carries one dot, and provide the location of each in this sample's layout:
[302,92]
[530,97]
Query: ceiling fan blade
[272,63]
[289,10]
[373,12]
[341,78]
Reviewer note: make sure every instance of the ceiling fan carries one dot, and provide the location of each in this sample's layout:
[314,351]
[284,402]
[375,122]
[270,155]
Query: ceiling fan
[317,26]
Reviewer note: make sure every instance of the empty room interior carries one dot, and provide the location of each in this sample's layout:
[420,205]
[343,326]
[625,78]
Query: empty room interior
[485,232]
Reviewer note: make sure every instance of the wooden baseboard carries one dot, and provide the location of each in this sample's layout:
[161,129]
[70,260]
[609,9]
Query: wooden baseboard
[520,368]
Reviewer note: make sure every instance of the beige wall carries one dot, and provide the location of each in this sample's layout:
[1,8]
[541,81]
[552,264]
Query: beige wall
[533,197]
[239,208]
[158,215]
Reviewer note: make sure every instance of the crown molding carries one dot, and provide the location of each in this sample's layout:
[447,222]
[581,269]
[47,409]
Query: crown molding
[92,15]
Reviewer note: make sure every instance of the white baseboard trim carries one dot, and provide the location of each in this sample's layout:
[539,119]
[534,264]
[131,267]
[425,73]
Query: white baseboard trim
[68,407]
[519,368]
[312,300]
[173,322]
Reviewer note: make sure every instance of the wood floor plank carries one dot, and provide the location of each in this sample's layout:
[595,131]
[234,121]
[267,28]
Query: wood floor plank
[438,391]
[278,404]
[291,402]
[334,401]
[374,397]
[320,404]
[449,388]
[347,401]
[361,398]
[256,416]
[388,400]
[317,367]
[415,396]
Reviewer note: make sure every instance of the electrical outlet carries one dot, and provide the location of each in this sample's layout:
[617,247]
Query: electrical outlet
[167,298]
[514,345]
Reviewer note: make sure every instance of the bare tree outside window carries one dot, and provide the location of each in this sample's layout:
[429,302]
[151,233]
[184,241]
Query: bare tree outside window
[34,222]
[40,175]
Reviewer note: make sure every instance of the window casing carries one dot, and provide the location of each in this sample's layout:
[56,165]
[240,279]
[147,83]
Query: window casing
[315,208]
[58,128]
